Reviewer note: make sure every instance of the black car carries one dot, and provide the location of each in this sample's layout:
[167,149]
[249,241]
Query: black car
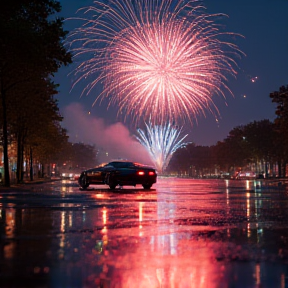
[122,173]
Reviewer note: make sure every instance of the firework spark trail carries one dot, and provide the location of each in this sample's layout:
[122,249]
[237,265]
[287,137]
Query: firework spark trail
[161,141]
[157,59]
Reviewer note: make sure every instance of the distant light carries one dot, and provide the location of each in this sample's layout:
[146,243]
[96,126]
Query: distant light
[254,79]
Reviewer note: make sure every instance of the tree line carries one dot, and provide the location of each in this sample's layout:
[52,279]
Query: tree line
[261,144]
[31,52]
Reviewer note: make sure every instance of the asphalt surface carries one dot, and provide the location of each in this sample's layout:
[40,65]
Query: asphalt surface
[181,233]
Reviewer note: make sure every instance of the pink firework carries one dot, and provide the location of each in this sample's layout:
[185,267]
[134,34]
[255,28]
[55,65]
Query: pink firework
[156,59]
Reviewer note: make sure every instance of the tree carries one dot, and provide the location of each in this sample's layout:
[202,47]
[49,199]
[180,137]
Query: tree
[201,159]
[196,160]
[83,155]
[31,114]
[50,144]
[281,125]
[260,136]
[31,47]
[235,148]
[181,159]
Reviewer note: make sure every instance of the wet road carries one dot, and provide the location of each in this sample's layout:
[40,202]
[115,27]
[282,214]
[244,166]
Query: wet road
[182,233]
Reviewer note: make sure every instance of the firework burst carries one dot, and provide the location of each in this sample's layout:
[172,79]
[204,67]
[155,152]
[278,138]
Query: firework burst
[161,141]
[156,59]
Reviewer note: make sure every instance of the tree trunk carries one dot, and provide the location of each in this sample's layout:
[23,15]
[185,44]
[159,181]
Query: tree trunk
[42,170]
[18,171]
[266,169]
[5,140]
[20,159]
[279,169]
[31,165]
[22,162]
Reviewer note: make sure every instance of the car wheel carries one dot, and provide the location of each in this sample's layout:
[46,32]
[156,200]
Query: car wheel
[83,181]
[147,186]
[112,186]
[110,180]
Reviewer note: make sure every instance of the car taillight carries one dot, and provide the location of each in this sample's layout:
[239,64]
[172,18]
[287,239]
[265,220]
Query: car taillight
[140,173]
[151,173]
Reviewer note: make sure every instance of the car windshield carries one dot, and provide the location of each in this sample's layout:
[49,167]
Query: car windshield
[101,165]
[121,164]
[141,165]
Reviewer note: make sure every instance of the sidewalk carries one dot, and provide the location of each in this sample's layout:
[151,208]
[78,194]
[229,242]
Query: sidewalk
[27,185]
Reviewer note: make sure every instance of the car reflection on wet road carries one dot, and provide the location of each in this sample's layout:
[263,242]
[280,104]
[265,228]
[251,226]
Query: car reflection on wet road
[183,233]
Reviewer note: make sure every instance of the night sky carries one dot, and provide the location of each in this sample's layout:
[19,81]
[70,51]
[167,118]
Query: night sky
[264,25]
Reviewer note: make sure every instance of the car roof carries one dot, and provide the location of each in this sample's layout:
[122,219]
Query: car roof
[120,163]
[128,163]
[123,163]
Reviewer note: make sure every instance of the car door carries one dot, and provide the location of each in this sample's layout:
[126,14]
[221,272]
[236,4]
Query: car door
[96,175]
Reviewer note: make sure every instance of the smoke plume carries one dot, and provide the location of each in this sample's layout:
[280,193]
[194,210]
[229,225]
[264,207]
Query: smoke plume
[112,141]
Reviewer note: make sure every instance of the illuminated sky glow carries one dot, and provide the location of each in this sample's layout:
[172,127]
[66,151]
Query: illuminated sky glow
[157,60]
[161,141]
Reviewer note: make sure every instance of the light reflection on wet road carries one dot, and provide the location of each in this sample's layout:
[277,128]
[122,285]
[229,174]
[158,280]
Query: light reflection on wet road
[182,233]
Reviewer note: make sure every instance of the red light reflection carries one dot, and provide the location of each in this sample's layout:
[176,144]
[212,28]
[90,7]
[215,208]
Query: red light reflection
[162,257]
